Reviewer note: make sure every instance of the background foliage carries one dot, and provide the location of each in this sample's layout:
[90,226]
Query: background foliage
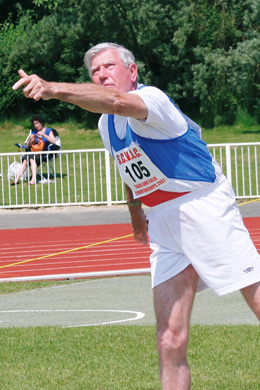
[204,54]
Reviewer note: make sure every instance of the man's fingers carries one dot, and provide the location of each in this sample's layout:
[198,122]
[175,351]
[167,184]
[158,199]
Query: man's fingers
[33,85]
[141,237]
[23,80]
[22,73]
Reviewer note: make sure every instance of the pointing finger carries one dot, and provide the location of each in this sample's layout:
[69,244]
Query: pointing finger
[22,73]
[23,80]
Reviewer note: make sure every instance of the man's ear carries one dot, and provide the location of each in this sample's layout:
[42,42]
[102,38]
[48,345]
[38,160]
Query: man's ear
[133,71]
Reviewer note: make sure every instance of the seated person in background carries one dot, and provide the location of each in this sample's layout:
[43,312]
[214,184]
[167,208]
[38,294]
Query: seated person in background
[39,140]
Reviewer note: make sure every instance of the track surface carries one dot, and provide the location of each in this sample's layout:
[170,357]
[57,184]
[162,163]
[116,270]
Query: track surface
[78,250]
[128,300]
[70,250]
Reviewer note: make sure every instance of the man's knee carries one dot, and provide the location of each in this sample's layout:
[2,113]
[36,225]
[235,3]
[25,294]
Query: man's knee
[172,341]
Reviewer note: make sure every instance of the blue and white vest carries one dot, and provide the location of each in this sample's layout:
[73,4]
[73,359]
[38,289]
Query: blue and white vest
[146,164]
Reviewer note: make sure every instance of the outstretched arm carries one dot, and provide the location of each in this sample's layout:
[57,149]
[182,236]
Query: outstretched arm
[138,218]
[90,97]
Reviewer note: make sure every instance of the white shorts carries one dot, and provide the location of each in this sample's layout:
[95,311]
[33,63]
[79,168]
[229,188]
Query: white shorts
[205,229]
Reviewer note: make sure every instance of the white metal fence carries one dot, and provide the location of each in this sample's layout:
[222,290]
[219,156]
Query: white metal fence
[240,163]
[90,177]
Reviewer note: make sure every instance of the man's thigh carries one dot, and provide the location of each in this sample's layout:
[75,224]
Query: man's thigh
[173,300]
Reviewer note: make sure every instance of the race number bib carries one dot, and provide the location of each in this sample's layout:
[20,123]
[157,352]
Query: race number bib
[138,171]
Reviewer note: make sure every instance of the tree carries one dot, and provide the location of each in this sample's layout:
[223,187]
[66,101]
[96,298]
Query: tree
[202,53]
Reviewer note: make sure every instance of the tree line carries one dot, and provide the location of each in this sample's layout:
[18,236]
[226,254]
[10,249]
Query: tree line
[203,53]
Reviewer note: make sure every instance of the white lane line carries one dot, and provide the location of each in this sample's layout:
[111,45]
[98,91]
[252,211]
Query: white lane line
[138,315]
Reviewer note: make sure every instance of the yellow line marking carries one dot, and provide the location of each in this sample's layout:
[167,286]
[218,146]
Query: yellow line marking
[250,201]
[67,251]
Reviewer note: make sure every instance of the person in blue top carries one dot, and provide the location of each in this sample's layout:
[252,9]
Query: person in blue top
[41,137]
[196,231]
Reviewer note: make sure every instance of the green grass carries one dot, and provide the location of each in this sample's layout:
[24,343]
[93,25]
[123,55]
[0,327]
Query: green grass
[125,358]
[225,357]
[76,136]
[244,130]
[232,134]
[9,288]
[73,135]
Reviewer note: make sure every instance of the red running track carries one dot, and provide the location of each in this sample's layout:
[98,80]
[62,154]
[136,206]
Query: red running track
[82,251]
[63,252]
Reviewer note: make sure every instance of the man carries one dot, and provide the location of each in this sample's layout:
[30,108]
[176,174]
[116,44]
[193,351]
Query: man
[196,231]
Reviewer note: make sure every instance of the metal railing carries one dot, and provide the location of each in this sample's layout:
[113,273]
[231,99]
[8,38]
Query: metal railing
[90,177]
[240,163]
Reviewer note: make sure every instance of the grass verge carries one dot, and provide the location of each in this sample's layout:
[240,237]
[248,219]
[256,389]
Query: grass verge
[125,358]
[13,287]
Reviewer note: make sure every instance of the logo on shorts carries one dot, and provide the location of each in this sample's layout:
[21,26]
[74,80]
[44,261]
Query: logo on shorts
[249,269]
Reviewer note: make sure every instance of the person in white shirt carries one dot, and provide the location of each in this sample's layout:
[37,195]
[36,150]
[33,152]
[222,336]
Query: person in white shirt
[196,232]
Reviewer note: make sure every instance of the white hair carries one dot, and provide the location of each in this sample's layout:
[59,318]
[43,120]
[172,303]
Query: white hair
[126,55]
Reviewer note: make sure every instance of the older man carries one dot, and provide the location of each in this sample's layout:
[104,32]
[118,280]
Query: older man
[196,231]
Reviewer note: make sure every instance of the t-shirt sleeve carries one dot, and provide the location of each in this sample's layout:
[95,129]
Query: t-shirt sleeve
[163,116]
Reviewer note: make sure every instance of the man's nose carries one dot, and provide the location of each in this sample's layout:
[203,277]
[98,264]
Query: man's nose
[102,73]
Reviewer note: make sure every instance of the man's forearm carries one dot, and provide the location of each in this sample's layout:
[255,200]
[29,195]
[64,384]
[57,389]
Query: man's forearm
[90,97]
[99,99]
[131,202]
[138,218]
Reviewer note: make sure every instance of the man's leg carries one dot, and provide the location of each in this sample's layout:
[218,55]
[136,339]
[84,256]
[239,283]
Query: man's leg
[252,297]
[173,301]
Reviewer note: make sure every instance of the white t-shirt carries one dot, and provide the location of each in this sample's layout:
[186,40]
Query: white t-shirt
[164,121]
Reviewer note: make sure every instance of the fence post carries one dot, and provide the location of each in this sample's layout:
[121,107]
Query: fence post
[228,163]
[108,178]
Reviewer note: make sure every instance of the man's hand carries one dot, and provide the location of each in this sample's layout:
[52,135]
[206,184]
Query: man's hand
[35,87]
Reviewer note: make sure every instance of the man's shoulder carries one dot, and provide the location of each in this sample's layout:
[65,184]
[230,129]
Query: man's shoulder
[150,90]
[143,88]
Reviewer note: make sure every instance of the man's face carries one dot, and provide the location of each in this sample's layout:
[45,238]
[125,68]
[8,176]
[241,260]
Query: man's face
[108,70]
